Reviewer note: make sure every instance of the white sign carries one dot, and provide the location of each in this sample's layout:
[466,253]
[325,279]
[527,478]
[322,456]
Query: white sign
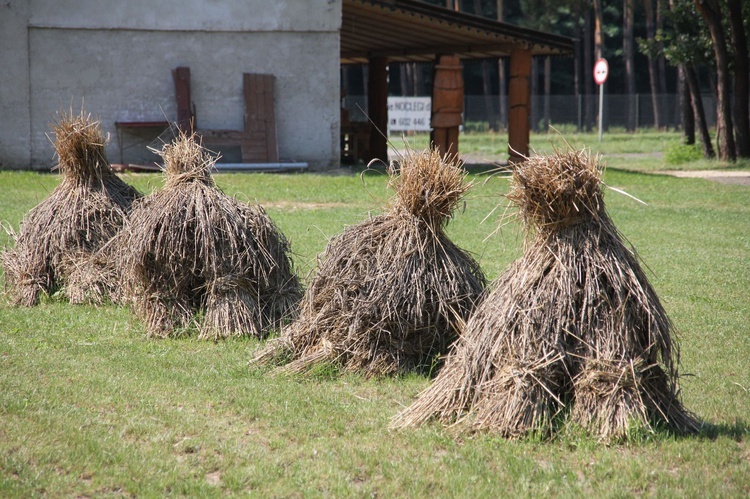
[601,70]
[407,114]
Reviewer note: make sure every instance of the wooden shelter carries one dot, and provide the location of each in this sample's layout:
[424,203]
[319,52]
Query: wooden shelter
[378,32]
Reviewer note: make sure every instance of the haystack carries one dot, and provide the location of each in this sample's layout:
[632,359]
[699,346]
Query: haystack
[189,251]
[93,278]
[572,330]
[389,293]
[80,215]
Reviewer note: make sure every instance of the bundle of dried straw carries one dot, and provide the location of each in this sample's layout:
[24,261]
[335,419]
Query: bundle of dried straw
[80,215]
[189,249]
[572,330]
[389,293]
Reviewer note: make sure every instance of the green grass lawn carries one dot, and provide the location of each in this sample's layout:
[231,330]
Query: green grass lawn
[645,151]
[613,142]
[90,407]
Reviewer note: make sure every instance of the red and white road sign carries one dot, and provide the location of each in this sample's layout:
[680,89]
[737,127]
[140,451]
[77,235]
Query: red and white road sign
[601,70]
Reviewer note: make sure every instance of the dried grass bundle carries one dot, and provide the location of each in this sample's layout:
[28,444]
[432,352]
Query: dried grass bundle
[189,249]
[389,293]
[80,215]
[572,329]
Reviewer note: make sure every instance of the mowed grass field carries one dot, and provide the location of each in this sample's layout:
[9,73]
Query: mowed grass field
[90,407]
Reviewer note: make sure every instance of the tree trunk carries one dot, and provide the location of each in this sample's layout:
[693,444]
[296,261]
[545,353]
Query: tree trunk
[588,66]
[345,80]
[661,64]
[547,92]
[700,115]
[598,29]
[489,105]
[503,94]
[489,108]
[653,77]
[629,57]
[534,100]
[599,37]
[577,81]
[502,84]
[686,112]
[417,77]
[365,80]
[403,78]
[741,80]
[711,12]
[377,106]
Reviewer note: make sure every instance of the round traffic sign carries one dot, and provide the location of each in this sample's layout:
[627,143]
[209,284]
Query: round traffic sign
[601,70]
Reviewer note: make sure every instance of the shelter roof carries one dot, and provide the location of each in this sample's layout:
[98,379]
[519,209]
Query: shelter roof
[414,31]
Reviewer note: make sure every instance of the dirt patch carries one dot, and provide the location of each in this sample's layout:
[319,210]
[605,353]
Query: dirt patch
[721,176]
[214,478]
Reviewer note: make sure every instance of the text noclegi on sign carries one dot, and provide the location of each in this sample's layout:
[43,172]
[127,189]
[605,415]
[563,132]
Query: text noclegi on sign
[409,114]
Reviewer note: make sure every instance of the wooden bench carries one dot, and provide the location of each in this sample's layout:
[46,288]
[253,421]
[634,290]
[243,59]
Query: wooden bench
[257,140]
[133,126]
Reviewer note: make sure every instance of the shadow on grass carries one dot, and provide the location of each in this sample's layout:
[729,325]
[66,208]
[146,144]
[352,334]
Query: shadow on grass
[737,431]
[381,168]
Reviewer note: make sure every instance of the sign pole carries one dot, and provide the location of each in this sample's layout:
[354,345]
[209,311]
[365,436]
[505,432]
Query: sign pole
[601,70]
[601,109]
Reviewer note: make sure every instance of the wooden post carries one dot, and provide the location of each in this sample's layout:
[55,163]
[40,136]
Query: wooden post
[447,104]
[185,117]
[377,107]
[518,101]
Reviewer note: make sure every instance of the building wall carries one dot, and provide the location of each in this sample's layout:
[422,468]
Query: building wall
[116,58]
[15,120]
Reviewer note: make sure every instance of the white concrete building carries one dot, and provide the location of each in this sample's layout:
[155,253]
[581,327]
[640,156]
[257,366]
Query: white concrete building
[116,57]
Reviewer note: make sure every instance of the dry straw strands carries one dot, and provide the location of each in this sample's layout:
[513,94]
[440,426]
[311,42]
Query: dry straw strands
[189,249]
[572,330]
[80,215]
[389,293]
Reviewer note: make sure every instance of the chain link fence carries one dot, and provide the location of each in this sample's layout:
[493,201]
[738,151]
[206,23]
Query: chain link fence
[482,113]
[620,111]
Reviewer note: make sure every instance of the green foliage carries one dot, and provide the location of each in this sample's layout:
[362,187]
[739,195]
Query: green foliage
[684,38]
[476,127]
[678,154]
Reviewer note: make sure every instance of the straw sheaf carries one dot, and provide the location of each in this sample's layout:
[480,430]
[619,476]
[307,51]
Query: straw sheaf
[390,293]
[552,340]
[189,250]
[79,145]
[186,161]
[79,216]
[427,186]
[550,193]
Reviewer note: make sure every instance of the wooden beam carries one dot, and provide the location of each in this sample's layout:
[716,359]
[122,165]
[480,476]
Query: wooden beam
[519,104]
[377,107]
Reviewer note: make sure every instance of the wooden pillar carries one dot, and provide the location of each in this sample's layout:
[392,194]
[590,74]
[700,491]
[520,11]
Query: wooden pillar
[519,100]
[377,107]
[447,104]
